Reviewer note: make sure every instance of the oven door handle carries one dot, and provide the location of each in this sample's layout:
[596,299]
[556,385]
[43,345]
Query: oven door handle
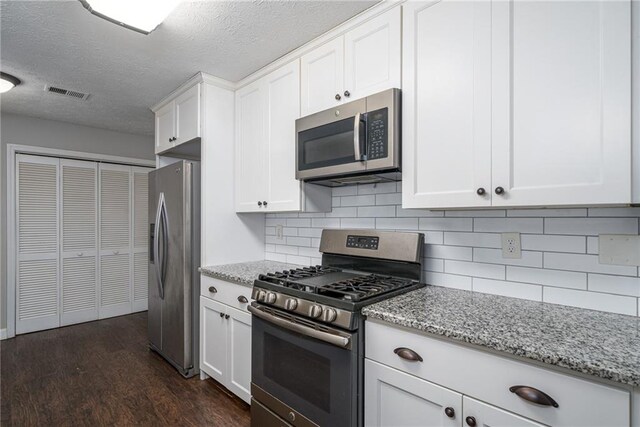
[356,138]
[336,340]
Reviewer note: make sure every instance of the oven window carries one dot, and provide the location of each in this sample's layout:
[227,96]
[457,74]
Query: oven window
[302,372]
[328,145]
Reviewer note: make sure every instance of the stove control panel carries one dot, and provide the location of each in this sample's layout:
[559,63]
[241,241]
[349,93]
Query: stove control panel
[363,242]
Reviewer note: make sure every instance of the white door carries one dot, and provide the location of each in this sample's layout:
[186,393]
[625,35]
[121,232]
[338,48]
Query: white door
[322,77]
[213,339]
[140,249]
[79,241]
[115,240]
[395,399]
[188,115]
[37,295]
[561,102]
[372,56]
[446,102]
[239,353]
[489,416]
[251,148]
[165,127]
[283,108]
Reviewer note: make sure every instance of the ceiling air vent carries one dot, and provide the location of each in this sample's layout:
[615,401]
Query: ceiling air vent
[66,92]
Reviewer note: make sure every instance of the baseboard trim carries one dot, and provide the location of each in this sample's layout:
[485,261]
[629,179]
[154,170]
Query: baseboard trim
[3,334]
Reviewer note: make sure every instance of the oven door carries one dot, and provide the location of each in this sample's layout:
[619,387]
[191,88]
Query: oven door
[331,142]
[302,371]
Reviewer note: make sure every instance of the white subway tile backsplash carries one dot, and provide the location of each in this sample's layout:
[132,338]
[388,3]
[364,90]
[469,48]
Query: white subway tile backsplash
[508,289]
[614,284]
[475,269]
[591,226]
[592,300]
[494,256]
[540,276]
[503,225]
[463,247]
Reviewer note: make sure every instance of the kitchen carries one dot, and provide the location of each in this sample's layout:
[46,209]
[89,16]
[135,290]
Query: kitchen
[397,213]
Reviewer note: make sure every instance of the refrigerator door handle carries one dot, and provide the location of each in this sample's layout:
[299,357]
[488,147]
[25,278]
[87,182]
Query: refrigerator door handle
[156,246]
[165,245]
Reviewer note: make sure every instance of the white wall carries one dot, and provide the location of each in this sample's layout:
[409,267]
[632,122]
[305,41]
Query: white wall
[24,130]
[559,246]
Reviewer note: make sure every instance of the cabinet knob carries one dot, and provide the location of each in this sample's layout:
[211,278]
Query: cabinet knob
[226,316]
[347,93]
[533,395]
[264,203]
[242,299]
[480,191]
[170,140]
[408,354]
[338,97]
[499,190]
[259,203]
[450,412]
[471,421]
[212,289]
[221,314]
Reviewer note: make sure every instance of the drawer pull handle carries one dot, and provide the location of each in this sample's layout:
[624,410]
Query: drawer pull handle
[533,395]
[212,289]
[408,354]
[471,421]
[450,412]
[243,299]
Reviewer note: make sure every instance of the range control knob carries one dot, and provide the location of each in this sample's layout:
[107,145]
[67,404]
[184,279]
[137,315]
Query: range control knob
[316,311]
[329,315]
[270,298]
[291,304]
[260,296]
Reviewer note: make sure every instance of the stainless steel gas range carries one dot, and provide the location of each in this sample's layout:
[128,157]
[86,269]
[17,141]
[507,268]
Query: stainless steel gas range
[308,333]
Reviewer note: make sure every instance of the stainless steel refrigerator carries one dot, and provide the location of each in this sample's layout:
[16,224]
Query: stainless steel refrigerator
[174,281]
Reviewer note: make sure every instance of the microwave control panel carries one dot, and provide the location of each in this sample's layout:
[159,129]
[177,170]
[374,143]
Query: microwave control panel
[377,134]
[362,242]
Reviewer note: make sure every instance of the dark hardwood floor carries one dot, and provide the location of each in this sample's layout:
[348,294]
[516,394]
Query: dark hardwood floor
[102,373]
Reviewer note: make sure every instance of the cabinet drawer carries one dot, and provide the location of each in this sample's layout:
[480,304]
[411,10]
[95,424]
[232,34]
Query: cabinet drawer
[488,377]
[225,292]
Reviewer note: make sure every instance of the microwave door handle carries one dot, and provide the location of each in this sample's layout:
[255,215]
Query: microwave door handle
[356,138]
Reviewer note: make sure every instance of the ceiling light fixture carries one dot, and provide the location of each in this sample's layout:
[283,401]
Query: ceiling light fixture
[8,82]
[142,16]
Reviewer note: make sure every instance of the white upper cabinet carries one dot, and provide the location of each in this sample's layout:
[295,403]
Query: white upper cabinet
[179,120]
[365,60]
[322,77]
[372,56]
[516,103]
[251,148]
[562,102]
[447,104]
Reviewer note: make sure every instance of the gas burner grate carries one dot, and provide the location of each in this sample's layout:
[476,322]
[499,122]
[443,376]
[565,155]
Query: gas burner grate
[288,277]
[363,287]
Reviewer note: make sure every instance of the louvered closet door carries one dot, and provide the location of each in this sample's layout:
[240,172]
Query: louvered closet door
[79,241]
[115,240]
[140,252]
[37,296]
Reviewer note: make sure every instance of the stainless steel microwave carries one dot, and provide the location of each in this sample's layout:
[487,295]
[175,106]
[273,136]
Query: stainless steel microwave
[357,142]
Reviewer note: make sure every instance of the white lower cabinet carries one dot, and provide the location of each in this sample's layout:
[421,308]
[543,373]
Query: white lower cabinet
[225,336]
[411,379]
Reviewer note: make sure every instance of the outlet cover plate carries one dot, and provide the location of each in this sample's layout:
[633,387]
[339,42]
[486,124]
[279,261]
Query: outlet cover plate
[511,247]
[279,232]
[619,249]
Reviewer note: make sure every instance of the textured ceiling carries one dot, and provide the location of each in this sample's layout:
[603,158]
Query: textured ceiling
[62,44]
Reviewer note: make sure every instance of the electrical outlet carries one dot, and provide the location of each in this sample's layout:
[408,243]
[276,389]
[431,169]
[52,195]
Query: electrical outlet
[511,247]
[279,232]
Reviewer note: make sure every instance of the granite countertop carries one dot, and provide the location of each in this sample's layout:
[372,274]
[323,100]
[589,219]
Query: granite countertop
[602,344]
[244,273]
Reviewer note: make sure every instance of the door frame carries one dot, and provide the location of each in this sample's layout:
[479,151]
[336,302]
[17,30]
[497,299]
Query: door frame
[12,150]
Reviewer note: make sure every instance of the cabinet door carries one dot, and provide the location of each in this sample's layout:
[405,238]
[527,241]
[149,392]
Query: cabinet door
[251,148]
[165,127]
[490,416]
[283,108]
[561,102]
[322,77]
[37,296]
[446,104]
[372,56]
[115,240]
[239,353]
[79,238]
[393,398]
[213,339]
[188,115]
